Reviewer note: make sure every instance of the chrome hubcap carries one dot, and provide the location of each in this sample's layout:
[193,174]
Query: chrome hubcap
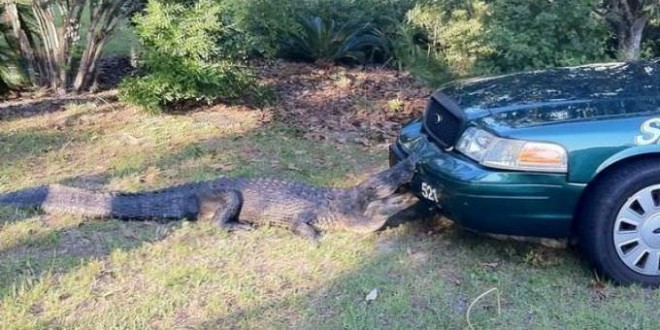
[637,231]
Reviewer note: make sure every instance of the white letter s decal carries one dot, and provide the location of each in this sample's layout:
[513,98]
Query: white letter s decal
[650,132]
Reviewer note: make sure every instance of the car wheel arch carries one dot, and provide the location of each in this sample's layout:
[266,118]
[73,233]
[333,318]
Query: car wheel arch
[621,249]
[603,173]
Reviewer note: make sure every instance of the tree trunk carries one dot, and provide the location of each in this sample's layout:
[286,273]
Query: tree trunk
[51,46]
[87,68]
[630,39]
[104,17]
[49,58]
[87,65]
[630,17]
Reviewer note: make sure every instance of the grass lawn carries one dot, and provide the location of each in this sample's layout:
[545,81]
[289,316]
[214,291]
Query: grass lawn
[68,272]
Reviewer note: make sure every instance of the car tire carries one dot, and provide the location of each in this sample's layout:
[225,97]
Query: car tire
[619,224]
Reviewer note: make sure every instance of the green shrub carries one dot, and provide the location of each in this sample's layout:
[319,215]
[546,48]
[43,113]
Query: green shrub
[323,40]
[174,79]
[477,37]
[651,43]
[536,34]
[412,51]
[182,60]
[260,25]
[264,24]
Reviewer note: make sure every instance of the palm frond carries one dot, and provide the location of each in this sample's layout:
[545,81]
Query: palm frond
[325,40]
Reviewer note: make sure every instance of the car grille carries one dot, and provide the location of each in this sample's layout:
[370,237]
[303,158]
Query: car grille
[441,124]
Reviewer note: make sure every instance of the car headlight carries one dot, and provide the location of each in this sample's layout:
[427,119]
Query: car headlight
[493,151]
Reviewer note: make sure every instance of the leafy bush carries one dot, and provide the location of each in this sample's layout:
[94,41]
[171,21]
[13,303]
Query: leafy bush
[259,25]
[323,40]
[535,34]
[173,79]
[411,50]
[477,37]
[264,24]
[651,45]
[182,60]
[440,40]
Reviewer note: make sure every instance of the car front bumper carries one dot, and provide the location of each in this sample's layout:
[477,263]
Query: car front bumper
[490,200]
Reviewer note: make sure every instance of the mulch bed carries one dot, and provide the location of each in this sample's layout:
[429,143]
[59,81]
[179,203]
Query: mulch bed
[358,104]
[362,104]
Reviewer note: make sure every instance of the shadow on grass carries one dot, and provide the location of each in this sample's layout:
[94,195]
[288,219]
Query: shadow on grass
[28,108]
[430,273]
[427,273]
[66,248]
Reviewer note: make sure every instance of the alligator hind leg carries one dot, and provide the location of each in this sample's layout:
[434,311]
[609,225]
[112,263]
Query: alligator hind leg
[303,229]
[225,207]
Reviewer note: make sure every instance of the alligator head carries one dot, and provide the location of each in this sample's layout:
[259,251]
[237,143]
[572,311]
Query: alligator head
[387,182]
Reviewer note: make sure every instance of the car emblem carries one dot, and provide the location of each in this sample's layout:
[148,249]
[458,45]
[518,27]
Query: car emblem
[438,118]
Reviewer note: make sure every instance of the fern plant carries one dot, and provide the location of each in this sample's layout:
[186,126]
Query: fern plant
[325,41]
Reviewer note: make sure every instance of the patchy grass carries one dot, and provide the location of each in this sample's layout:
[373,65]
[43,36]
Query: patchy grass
[68,272]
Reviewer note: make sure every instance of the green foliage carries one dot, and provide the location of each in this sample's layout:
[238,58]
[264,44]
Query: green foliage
[474,37]
[258,25]
[179,29]
[533,34]
[4,87]
[412,50]
[5,54]
[172,79]
[262,25]
[651,44]
[57,43]
[11,77]
[323,40]
[183,60]
[439,40]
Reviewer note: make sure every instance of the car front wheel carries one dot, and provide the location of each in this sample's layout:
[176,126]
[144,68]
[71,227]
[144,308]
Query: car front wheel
[619,226]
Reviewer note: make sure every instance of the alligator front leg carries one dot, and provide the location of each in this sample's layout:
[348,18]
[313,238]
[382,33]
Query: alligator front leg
[224,208]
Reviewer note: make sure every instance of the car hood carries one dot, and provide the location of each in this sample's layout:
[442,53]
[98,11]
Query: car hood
[560,94]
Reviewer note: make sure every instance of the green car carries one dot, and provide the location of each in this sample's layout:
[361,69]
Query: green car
[559,153]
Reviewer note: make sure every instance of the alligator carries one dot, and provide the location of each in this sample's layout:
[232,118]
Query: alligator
[239,203]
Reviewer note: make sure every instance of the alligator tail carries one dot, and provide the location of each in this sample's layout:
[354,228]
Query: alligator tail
[166,204]
[27,198]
